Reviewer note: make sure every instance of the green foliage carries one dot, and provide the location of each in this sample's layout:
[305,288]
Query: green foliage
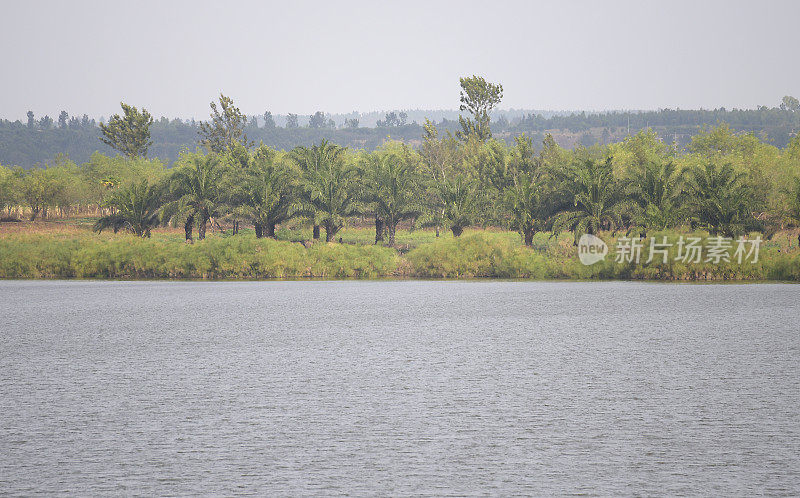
[196,187]
[720,200]
[10,180]
[78,137]
[532,202]
[127,256]
[102,174]
[129,134]
[459,202]
[329,190]
[136,208]
[41,189]
[391,186]
[793,203]
[633,154]
[789,103]
[267,192]
[656,189]
[226,127]
[597,199]
[478,98]
[478,255]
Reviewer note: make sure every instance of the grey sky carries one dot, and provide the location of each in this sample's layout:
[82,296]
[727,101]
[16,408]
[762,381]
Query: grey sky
[293,56]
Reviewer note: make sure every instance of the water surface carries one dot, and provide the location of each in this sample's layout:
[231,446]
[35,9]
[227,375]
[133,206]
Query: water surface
[325,388]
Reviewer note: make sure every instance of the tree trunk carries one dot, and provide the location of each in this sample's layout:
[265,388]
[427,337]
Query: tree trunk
[798,240]
[437,230]
[529,238]
[259,230]
[457,230]
[188,227]
[316,232]
[329,233]
[271,230]
[392,230]
[201,230]
[34,213]
[378,230]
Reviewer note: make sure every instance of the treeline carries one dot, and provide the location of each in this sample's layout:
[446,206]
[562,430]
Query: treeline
[727,183]
[36,140]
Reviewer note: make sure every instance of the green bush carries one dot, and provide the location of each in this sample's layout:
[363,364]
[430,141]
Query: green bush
[242,257]
[476,254]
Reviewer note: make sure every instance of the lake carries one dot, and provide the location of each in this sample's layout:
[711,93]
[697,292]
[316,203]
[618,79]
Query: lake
[399,388]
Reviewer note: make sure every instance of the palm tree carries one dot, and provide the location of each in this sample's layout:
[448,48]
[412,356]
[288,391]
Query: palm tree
[721,200]
[597,200]
[197,189]
[459,202]
[267,193]
[137,208]
[391,189]
[311,161]
[532,204]
[656,192]
[329,193]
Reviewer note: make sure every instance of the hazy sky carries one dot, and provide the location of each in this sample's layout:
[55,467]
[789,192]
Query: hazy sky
[336,56]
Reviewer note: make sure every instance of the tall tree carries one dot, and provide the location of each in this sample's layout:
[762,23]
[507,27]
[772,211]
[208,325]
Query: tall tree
[596,198]
[317,120]
[656,191]
[269,122]
[267,192]
[391,187]
[226,127]
[129,134]
[533,201]
[478,98]
[440,157]
[329,193]
[63,117]
[721,200]
[291,121]
[46,122]
[196,186]
[789,103]
[310,160]
[40,188]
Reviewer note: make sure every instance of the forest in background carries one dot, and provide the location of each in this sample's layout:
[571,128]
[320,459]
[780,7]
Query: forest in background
[35,140]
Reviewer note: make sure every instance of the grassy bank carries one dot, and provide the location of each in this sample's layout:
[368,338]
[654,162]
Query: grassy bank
[75,252]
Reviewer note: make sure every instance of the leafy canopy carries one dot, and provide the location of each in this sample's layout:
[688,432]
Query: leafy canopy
[129,134]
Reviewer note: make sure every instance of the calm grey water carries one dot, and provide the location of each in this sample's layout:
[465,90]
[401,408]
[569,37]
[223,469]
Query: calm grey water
[432,388]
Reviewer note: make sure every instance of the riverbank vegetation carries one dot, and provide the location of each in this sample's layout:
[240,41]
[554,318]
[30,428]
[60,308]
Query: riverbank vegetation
[56,250]
[446,208]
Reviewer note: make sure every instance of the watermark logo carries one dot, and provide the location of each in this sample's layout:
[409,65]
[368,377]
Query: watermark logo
[591,249]
[694,250]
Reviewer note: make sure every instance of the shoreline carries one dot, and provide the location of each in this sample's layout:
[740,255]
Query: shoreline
[478,255]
